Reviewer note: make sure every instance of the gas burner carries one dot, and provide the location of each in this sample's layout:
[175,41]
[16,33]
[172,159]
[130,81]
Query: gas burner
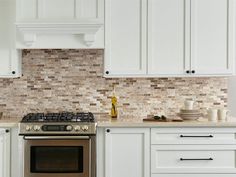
[59,117]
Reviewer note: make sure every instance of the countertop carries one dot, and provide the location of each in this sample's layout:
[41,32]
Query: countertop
[106,121]
[8,122]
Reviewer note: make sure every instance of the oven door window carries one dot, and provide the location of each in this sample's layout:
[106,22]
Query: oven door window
[55,159]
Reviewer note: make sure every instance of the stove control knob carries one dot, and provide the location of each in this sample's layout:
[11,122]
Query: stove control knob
[69,128]
[85,128]
[77,128]
[28,128]
[36,128]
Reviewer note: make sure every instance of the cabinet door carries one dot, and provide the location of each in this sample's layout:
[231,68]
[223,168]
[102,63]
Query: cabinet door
[212,36]
[4,153]
[127,152]
[193,159]
[10,63]
[166,38]
[9,57]
[125,37]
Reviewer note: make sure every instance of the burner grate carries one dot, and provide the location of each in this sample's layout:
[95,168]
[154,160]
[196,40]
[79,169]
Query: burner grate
[59,117]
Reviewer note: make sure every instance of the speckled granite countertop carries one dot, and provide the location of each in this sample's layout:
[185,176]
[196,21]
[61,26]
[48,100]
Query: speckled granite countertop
[106,121]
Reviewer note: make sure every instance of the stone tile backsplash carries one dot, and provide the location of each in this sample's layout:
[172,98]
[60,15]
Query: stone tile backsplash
[71,80]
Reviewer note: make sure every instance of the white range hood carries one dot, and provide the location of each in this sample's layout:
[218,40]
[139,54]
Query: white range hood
[59,24]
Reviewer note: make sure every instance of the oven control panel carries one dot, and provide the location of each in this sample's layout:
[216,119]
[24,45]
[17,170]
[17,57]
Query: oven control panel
[57,128]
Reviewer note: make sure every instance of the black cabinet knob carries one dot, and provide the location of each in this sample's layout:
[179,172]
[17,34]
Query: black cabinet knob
[187,71]
[193,71]
[7,131]
[13,72]
[107,72]
[108,130]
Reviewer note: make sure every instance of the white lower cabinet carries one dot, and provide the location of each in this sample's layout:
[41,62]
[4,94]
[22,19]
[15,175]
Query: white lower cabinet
[193,159]
[127,152]
[193,175]
[193,152]
[4,152]
[166,152]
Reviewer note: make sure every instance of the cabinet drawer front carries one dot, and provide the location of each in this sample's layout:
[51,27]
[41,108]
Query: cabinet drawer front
[192,159]
[193,175]
[186,136]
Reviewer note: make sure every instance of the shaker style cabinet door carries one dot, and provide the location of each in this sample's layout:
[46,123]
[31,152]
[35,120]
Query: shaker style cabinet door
[127,152]
[4,153]
[125,37]
[166,38]
[10,63]
[212,37]
[9,56]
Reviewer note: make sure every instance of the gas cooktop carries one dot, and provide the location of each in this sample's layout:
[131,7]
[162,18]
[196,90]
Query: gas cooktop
[64,123]
[59,117]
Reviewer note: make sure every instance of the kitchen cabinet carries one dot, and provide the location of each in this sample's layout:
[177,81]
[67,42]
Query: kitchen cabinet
[172,151]
[193,150]
[184,38]
[194,175]
[166,38]
[212,36]
[125,37]
[4,152]
[10,58]
[126,152]
[46,23]
[17,147]
[10,63]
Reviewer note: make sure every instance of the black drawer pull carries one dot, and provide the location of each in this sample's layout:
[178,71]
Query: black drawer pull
[186,136]
[182,159]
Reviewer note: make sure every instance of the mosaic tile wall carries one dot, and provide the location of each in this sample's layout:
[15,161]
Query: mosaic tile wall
[71,80]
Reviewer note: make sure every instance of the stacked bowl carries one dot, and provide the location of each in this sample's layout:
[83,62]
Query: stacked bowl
[189,114]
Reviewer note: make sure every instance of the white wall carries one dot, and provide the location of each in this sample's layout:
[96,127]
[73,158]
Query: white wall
[232,96]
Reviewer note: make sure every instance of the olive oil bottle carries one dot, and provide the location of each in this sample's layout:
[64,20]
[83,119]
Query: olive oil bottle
[114,113]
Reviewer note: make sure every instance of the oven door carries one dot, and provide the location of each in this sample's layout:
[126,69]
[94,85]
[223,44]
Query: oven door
[57,156]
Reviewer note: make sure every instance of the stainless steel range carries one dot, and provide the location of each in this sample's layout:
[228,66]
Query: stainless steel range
[59,144]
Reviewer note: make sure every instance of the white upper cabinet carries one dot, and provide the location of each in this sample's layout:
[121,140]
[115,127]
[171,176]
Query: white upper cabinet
[166,39]
[46,23]
[125,37]
[191,37]
[10,58]
[10,63]
[212,36]
[179,38]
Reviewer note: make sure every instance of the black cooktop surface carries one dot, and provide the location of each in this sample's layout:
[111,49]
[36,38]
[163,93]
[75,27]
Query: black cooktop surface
[59,117]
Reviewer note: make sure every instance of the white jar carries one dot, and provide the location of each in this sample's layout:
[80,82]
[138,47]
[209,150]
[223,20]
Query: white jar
[188,104]
[212,114]
[222,114]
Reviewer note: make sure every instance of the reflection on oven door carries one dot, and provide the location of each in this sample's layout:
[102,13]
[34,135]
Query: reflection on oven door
[57,158]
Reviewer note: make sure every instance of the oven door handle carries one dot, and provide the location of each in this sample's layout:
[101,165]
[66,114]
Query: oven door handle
[56,137]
